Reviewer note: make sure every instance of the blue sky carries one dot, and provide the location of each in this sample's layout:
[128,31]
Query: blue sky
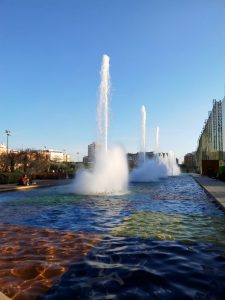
[167,55]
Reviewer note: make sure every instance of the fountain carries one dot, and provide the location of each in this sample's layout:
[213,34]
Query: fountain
[163,240]
[143,132]
[103,104]
[169,160]
[160,166]
[110,171]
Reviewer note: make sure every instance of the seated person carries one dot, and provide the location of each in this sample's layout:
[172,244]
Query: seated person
[24,180]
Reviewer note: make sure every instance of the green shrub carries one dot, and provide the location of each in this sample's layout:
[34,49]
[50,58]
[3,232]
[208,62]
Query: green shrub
[13,177]
[222,170]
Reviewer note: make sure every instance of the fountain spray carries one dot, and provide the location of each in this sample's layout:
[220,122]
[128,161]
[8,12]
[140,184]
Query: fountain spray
[110,172]
[103,104]
[143,131]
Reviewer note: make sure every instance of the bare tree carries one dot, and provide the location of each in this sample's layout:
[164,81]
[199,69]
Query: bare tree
[8,161]
[33,161]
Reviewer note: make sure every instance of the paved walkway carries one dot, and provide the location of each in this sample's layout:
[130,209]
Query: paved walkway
[214,187]
[37,184]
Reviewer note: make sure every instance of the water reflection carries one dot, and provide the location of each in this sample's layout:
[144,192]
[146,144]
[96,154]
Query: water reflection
[32,260]
[185,228]
[134,268]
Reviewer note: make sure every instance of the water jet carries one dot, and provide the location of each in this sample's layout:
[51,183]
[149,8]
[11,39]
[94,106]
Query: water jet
[110,172]
[160,166]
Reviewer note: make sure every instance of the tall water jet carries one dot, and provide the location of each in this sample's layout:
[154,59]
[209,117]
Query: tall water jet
[143,131]
[110,171]
[160,166]
[103,104]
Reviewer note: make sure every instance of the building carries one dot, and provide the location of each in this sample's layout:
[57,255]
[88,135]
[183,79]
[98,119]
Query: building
[56,156]
[91,152]
[211,144]
[190,162]
[2,149]
[132,159]
[85,159]
[66,157]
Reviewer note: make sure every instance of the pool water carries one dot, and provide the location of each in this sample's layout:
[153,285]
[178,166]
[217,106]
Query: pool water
[162,240]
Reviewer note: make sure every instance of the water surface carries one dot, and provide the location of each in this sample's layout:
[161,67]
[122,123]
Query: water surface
[162,240]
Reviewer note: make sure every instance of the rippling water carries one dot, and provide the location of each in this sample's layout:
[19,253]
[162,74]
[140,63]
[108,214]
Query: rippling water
[162,240]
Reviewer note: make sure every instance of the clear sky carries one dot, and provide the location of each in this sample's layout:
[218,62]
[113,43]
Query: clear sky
[167,55]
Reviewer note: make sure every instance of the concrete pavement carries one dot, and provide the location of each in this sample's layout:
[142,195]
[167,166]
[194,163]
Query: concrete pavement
[36,184]
[214,187]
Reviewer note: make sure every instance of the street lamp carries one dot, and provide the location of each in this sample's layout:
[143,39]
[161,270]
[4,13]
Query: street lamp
[8,133]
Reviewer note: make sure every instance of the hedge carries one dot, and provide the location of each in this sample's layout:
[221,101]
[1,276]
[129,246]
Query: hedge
[13,177]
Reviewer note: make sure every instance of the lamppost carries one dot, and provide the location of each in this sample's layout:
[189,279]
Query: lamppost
[8,133]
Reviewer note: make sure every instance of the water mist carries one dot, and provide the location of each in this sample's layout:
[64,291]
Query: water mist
[143,132]
[110,171]
[160,166]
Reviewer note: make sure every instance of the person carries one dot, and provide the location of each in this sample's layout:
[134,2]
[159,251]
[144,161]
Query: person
[24,180]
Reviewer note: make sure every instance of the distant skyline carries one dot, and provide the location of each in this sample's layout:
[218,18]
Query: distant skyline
[166,55]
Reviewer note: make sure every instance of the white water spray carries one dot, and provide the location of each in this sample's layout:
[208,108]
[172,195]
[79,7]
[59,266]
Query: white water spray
[110,172]
[103,104]
[160,166]
[143,131]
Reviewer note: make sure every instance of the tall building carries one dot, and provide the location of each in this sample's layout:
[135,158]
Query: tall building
[211,143]
[91,152]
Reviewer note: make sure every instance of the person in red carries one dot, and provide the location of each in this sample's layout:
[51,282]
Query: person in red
[25,180]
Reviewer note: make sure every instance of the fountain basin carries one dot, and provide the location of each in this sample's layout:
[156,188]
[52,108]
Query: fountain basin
[163,238]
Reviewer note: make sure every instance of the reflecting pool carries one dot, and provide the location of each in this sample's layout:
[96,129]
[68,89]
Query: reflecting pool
[162,240]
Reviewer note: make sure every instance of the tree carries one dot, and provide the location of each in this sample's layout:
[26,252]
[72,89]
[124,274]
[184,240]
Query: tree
[33,161]
[8,161]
